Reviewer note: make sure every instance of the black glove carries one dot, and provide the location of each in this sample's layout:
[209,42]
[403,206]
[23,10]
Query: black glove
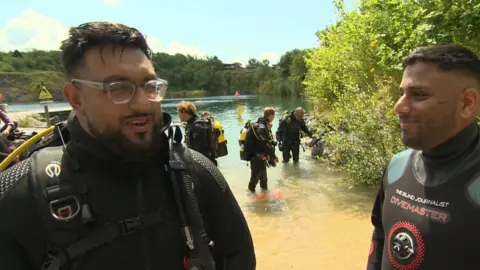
[280,146]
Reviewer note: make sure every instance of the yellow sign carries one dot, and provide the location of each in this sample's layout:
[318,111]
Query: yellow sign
[44,93]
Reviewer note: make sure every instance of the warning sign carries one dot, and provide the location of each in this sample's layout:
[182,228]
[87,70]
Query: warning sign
[44,93]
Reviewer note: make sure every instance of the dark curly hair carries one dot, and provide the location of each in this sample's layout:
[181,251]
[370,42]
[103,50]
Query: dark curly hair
[98,34]
[449,57]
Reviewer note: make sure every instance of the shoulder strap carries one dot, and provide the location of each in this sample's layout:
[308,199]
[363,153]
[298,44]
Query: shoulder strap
[183,177]
[58,204]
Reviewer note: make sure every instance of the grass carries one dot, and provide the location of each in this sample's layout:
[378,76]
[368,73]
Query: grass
[31,120]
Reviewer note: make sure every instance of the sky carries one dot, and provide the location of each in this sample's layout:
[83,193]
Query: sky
[234,31]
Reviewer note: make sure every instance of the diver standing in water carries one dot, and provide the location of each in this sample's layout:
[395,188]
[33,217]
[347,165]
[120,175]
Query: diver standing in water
[288,134]
[198,132]
[260,149]
[427,212]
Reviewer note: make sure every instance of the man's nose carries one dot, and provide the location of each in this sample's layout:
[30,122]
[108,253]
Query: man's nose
[402,106]
[140,100]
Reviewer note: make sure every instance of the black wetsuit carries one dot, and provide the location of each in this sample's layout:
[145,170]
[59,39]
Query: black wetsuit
[197,139]
[6,147]
[427,212]
[288,134]
[262,152]
[115,190]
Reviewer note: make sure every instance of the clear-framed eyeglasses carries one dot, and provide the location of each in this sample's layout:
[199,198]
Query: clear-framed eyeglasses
[121,92]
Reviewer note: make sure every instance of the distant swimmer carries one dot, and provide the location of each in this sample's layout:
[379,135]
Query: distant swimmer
[240,110]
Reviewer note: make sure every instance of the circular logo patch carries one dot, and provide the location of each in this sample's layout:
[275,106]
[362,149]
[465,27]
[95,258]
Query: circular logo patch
[406,248]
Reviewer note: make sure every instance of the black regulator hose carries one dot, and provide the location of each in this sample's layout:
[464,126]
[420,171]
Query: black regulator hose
[199,257]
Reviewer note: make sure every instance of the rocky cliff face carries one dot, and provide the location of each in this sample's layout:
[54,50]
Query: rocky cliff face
[25,87]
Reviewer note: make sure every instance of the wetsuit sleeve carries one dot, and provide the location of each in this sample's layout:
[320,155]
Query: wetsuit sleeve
[199,139]
[304,128]
[21,238]
[227,226]
[378,236]
[6,119]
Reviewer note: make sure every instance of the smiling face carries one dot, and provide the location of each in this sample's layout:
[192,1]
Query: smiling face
[435,105]
[123,127]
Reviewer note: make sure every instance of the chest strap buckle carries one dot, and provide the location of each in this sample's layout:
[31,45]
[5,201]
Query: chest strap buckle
[130,225]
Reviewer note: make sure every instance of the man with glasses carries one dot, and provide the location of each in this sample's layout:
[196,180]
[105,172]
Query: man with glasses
[113,174]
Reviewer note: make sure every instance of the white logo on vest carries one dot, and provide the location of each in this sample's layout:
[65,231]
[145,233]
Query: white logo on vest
[53,170]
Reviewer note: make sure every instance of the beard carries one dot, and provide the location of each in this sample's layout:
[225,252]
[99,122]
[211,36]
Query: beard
[115,140]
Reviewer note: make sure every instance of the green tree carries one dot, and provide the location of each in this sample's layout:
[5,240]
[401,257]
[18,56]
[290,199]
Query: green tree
[353,76]
[187,75]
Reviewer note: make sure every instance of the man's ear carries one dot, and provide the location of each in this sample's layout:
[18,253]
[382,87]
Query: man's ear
[470,103]
[72,95]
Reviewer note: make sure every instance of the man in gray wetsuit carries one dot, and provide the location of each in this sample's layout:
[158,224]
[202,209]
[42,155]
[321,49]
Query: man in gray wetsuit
[427,212]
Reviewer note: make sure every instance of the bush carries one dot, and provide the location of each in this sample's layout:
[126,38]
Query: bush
[356,70]
[369,135]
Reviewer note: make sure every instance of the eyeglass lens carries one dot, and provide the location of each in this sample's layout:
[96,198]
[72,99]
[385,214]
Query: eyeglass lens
[122,92]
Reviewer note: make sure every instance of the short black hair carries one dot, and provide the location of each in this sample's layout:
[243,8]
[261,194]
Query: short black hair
[450,57]
[98,33]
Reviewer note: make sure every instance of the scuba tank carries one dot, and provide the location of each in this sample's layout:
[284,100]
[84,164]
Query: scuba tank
[243,137]
[246,145]
[241,141]
[220,138]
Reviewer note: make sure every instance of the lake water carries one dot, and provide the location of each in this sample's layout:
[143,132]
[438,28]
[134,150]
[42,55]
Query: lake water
[321,224]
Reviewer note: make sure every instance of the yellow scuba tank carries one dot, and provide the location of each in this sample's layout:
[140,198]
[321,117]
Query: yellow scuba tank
[221,141]
[241,142]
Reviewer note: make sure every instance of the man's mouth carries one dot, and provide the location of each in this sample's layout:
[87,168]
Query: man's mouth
[140,124]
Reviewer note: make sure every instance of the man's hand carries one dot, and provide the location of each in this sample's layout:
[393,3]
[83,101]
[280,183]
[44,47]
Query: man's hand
[7,130]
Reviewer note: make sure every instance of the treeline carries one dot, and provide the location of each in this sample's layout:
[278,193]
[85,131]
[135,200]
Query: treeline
[355,73]
[21,73]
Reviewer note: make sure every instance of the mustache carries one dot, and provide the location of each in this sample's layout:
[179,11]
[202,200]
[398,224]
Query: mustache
[407,118]
[135,115]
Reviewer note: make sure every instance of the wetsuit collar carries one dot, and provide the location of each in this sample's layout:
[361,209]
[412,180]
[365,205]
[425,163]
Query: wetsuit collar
[456,146]
[262,120]
[192,119]
[89,150]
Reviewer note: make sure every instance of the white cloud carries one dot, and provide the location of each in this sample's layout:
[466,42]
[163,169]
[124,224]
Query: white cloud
[31,30]
[175,47]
